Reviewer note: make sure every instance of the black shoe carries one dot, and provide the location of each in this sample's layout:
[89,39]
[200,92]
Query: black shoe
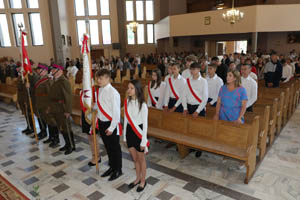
[54,144]
[92,164]
[49,140]
[64,148]
[29,132]
[42,136]
[198,154]
[132,185]
[107,173]
[25,130]
[140,189]
[115,175]
[68,151]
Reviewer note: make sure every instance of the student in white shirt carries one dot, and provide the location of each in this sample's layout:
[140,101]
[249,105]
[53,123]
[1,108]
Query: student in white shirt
[135,131]
[195,93]
[170,72]
[188,61]
[287,71]
[108,116]
[72,70]
[214,85]
[174,90]
[250,85]
[156,90]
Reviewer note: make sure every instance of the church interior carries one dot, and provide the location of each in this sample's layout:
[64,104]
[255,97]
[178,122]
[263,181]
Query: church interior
[200,99]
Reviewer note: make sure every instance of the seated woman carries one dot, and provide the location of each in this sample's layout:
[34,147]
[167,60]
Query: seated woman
[156,90]
[232,101]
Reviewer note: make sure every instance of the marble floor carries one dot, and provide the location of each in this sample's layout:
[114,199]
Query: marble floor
[59,177]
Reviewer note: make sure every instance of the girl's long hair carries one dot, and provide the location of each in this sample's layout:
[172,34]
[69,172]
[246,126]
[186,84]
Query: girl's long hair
[139,92]
[158,81]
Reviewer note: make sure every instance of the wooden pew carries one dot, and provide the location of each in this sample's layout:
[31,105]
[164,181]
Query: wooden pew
[8,93]
[76,109]
[220,137]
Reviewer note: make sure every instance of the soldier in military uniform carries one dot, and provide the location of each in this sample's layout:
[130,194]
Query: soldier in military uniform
[23,102]
[60,108]
[42,88]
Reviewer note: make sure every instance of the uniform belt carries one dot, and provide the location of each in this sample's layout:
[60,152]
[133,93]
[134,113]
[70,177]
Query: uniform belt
[41,95]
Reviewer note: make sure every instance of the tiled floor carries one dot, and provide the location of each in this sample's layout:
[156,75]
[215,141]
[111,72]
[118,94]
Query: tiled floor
[69,177]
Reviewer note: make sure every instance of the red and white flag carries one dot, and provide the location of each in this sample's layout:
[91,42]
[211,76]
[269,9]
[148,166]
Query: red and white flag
[26,66]
[87,91]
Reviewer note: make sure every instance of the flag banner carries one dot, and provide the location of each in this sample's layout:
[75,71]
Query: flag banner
[87,91]
[26,65]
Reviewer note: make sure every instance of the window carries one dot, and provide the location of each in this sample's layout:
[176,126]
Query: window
[92,4]
[18,19]
[149,11]
[36,29]
[140,34]
[150,33]
[139,10]
[79,7]
[4,34]
[1,4]
[32,3]
[104,7]
[81,29]
[94,32]
[106,36]
[15,4]
[130,36]
[129,10]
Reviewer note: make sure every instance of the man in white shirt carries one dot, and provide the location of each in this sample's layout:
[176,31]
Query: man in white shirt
[108,116]
[250,85]
[72,70]
[214,85]
[174,90]
[287,71]
[189,60]
[195,93]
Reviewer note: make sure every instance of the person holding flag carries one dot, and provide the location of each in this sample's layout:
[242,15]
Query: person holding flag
[135,131]
[60,107]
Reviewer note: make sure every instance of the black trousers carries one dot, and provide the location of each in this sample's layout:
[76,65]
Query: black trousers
[172,102]
[112,146]
[193,108]
[209,100]
[249,109]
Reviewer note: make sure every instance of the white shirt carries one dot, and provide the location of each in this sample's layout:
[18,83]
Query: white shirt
[251,88]
[72,71]
[109,99]
[287,72]
[186,73]
[178,85]
[157,92]
[253,75]
[200,88]
[138,117]
[167,77]
[214,85]
[138,59]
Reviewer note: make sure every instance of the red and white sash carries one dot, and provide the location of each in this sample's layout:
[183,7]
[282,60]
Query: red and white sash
[107,115]
[192,91]
[137,130]
[40,82]
[153,100]
[172,89]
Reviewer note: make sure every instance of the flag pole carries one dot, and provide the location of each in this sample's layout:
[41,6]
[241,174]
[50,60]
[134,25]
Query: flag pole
[96,151]
[27,82]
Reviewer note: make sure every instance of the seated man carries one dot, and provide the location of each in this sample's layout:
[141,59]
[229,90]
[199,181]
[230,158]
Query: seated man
[273,72]
[250,85]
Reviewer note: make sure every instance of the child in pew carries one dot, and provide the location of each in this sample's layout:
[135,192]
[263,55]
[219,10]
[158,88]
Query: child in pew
[188,61]
[232,102]
[135,131]
[214,85]
[195,94]
[169,68]
[250,85]
[156,90]
[174,90]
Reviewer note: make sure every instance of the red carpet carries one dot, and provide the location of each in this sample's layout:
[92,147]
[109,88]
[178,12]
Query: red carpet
[10,192]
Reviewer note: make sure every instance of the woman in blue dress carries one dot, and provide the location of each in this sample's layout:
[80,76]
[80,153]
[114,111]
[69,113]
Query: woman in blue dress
[231,104]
